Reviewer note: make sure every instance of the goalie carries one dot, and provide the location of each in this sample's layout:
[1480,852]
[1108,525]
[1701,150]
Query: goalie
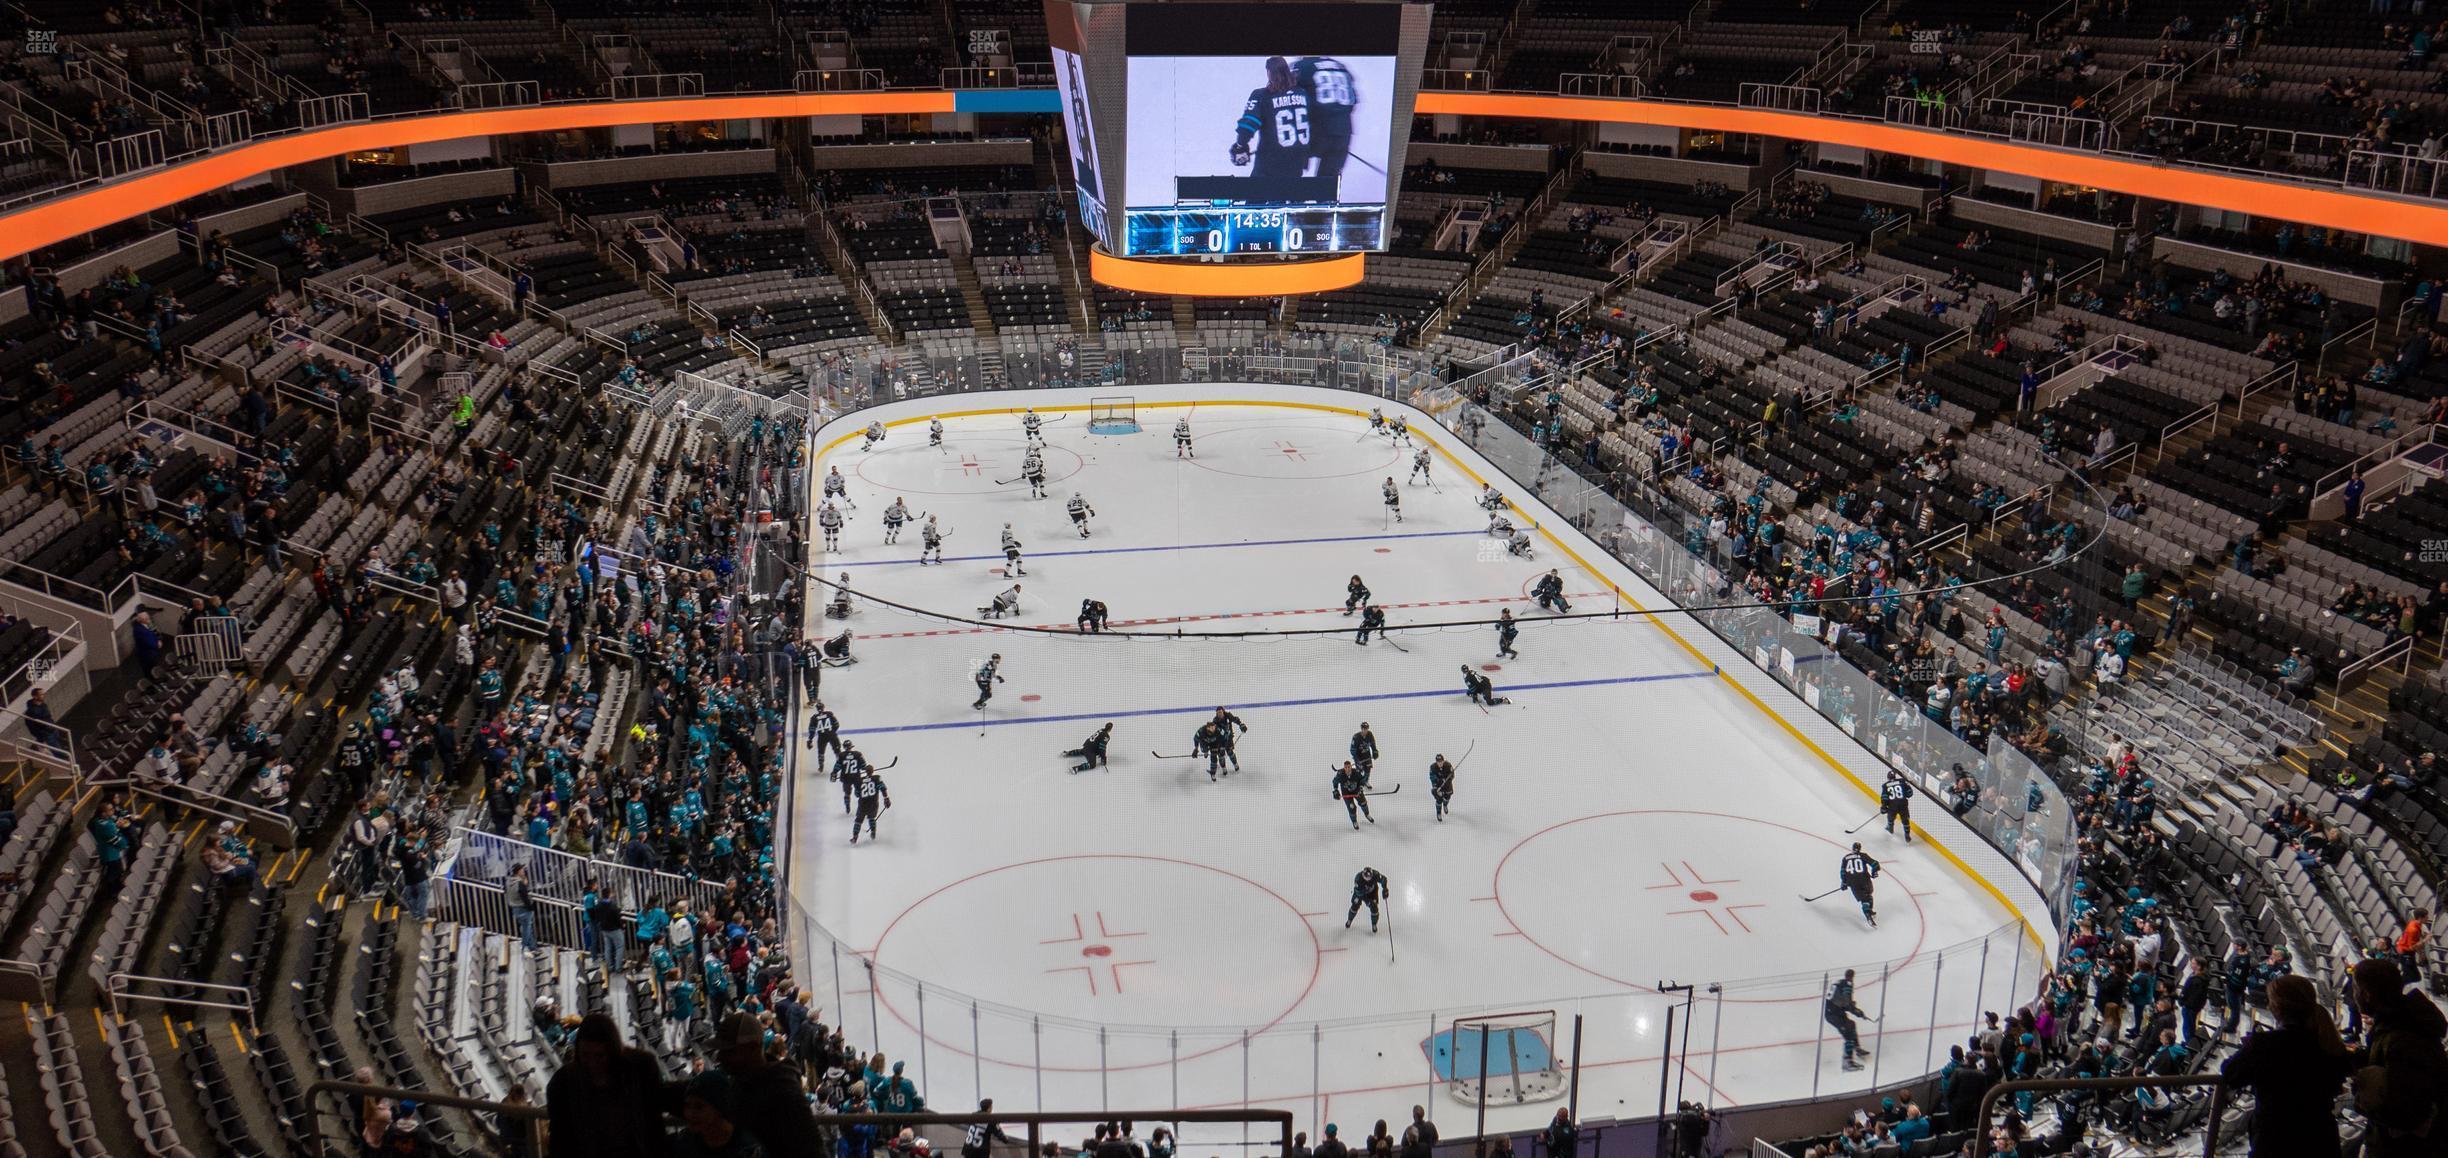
[839,608]
[837,651]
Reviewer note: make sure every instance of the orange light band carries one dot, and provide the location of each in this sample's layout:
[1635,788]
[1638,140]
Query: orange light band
[1226,279]
[2353,212]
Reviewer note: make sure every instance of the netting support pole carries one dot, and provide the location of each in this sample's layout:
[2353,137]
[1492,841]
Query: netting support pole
[1716,1033]
[1572,1098]
[1886,977]
[1479,1132]
[922,1041]
[1666,1060]
[977,1056]
[1104,1098]
[1176,1067]
[1037,1043]
[1317,1074]
[1430,1100]
[1929,1051]
[1819,1043]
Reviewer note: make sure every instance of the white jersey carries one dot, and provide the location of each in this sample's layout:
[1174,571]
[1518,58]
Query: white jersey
[1011,542]
[1034,461]
[1392,496]
[1031,422]
[829,518]
[898,512]
[1419,459]
[1376,418]
[1401,424]
[935,428]
[835,484]
[1079,508]
[1181,430]
[932,534]
[875,432]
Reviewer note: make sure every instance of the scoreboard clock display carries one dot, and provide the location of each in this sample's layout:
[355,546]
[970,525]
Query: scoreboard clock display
[1199,231]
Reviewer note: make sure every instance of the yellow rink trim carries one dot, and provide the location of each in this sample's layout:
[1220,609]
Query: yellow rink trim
[2030,929]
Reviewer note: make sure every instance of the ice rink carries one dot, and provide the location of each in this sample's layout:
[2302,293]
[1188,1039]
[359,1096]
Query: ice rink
[1140,935]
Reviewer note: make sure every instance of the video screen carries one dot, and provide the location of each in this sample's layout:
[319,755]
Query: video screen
[1259,128]
[1078,130]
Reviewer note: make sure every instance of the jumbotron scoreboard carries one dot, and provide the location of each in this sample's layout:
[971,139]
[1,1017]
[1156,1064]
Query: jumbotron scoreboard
[1236,129]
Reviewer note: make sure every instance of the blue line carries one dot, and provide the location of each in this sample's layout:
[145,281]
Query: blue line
[1202,709]
[1181,547]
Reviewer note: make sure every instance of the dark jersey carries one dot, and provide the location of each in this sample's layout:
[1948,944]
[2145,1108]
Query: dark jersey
[1895,795]
[1328,85]
[1368,884]
[1857,867]
[1276,124]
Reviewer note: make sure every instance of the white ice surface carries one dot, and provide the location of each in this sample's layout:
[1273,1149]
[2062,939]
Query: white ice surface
[1633,819]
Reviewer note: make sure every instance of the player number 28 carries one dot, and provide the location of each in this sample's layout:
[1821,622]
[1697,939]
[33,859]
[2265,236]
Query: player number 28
[1292,126]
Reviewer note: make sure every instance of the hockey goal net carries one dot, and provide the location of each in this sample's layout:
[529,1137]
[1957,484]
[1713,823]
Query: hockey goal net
[1113,415]
[1509,1056]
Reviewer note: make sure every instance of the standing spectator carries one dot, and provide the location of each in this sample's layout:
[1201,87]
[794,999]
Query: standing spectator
[2294,1071]
[1563,1138]
[608,1101]
[2402,1088]
[773,1105]
[2410,944]
[110,843]
[1420,1137]
[2192,994]
[517,895]
[148,642]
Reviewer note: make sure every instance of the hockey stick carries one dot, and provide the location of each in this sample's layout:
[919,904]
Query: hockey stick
[1180,756]
[1825,895]
[885,767]
[1389,911]
[1865,824]
[1466,755]
[1004,482]
[1387,792]
[1390,642]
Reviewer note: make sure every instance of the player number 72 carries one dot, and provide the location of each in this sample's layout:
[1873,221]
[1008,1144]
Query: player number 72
[1291,127]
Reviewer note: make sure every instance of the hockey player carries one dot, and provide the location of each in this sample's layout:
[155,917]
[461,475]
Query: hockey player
[1092,616]
[1419,466]
[875,435]
[1369,887]
[837,651]
[837,487]
[1895,802]
[1372,618]
[1181,439]
[931,539]
[1032,427]
[1364,751]
[1011,553]
[1377,423]
[1080,513]
[1856,871]
[829,520]
[1491,499]
[1393,499]
[1210,741]
[848,763]
[1351,787]
[1549,592]
[1033,469]
[1441,783]
[894,516]
[873,799]
[1506,632]
[1005,603]
[1355,593]
[839,607]
[1480,689]
[1840,1012]
[1499,527]
[1400,428]
[988,675]
[823,731]
[1092,750]
[1519,545]
[1229,728]
[935,432]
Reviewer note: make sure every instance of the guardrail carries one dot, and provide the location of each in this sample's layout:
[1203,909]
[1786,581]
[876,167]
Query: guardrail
[2280,378]
[2218,1095]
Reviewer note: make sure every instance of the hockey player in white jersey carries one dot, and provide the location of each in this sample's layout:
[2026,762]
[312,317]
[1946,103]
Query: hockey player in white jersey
[1491,499]
[875,434]
[1419,466]
[1080,513]
[1400,428]
[894,516]
[1033,427]
[1181,439]
[1033,469]
[829,520]
[934,432]
[1518,545]
[1377,423]
[931,539]
[837,487]
[1011,553]
[1393,499]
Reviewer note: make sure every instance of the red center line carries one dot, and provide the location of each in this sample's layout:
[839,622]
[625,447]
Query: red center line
[1220,615]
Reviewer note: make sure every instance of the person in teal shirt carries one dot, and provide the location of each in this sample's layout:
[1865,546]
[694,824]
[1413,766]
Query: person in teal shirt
[110,844]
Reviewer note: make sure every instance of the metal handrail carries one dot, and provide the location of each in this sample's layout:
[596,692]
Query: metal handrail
[534,1115]
[2217,1084]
